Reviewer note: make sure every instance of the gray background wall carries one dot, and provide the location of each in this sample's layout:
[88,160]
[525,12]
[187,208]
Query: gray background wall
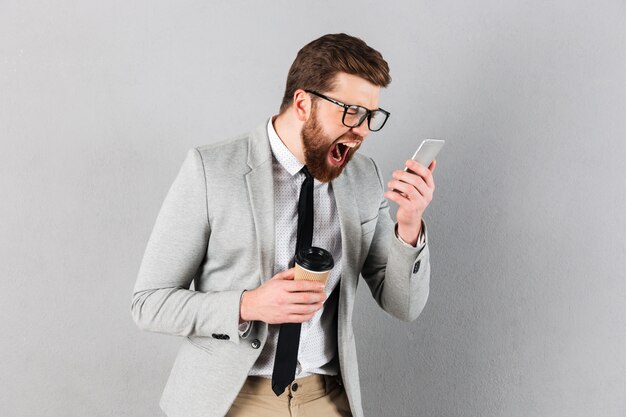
[99,102]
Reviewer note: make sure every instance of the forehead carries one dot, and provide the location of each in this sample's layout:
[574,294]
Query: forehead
[352,89]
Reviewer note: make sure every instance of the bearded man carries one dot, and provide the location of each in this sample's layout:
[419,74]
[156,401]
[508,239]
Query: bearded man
[257,342]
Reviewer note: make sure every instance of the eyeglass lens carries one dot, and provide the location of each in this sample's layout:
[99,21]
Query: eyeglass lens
[377,120]
[355,115]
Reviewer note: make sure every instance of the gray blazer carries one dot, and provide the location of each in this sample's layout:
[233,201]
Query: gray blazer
[216,229]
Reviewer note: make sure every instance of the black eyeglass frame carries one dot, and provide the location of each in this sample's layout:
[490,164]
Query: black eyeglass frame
[367,115]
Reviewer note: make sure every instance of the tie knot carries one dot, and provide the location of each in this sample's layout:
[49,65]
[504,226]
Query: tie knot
[306,173]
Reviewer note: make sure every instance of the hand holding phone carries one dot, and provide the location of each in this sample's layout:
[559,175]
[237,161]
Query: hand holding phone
[413,191]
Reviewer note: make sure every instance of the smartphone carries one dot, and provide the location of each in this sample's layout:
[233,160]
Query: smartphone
[427,151]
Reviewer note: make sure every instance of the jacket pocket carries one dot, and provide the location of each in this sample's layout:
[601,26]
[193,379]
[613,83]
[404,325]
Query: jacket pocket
[369,226]
[202,342]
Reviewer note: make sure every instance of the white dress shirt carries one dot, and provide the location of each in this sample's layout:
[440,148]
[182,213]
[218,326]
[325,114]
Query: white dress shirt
[318,336]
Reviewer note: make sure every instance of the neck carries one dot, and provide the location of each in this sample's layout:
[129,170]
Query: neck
[288,129]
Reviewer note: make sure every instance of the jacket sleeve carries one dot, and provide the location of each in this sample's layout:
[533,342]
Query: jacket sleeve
[162,301]
[398,275]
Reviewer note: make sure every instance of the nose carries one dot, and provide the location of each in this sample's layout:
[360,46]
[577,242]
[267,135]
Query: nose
[362,130]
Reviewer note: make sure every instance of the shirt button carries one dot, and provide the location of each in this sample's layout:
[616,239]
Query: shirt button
[294,387]
[256,344]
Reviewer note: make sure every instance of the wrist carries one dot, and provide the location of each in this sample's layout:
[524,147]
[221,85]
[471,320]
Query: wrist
[244,307]
[408,236]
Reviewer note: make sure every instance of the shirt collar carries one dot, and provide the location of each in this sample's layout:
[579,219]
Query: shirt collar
[282,154]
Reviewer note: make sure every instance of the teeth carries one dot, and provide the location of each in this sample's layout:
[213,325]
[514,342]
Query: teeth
[337,154]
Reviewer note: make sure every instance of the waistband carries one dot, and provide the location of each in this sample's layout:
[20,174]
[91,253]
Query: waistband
[307,388]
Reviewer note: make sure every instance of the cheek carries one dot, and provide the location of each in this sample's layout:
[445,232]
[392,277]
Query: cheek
[330,120]
[331,135]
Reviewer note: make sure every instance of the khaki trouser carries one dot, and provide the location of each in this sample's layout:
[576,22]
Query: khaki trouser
[311,396]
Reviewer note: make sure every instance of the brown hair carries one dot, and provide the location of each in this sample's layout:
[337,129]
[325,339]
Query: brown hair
[318,62]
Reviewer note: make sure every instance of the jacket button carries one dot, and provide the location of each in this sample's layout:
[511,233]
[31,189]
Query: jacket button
[256,344]
[294,387]
[225,337]
[214,336]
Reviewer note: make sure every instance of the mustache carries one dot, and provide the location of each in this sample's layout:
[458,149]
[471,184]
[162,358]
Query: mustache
[351,136]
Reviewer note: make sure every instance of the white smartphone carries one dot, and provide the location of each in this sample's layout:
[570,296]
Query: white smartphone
[427,151]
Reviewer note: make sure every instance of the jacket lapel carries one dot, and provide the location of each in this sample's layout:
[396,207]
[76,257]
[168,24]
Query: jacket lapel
[261,194]
[350,234]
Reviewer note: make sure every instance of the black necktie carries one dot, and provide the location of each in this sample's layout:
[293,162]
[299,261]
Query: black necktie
[289,334]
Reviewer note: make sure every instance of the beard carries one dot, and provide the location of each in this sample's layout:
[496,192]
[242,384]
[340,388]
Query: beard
[316,146]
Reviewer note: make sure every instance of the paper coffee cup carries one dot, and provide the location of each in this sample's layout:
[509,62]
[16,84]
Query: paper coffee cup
[313,264]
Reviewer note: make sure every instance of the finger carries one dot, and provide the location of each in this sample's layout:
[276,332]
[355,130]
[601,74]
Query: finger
[420,185]
[397,198]
[432,166]
[288,274]
[409,198]
[416,167]
[408,189]
[299,318]
[304,309]
[422,171]
[291,299]
[415,180]
[304,286]
[307,297]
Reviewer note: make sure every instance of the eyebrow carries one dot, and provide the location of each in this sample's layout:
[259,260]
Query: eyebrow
[356,105]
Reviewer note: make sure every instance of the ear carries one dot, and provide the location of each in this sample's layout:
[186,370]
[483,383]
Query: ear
[302,105]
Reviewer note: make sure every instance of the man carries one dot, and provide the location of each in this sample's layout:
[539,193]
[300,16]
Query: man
[230,224]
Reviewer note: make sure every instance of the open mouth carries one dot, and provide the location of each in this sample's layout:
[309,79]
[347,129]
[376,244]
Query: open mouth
[339,152]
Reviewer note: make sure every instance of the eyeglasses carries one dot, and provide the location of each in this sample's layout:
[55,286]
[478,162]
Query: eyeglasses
[354,115]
